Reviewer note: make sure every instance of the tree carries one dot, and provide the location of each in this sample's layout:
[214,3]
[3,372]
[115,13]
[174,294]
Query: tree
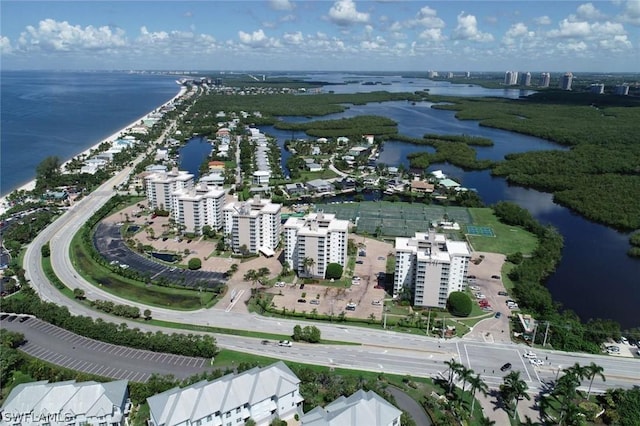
[594,370]
[251,275]
[297,333]
[459,304]
[513,389]
[308,264]
[194,263]
[454,368]
[147,314]
[78,293]
[477,384]
[334,271]
[47,171]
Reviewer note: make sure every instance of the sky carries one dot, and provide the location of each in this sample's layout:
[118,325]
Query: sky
[318,35]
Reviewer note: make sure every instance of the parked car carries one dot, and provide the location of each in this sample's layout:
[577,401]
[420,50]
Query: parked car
[505,367]
[315,302]
[473,277]
[495,277]
[503,293]
[537,362]
[302,286]
[302,300]
[284,343]
[376,303]
[498,315]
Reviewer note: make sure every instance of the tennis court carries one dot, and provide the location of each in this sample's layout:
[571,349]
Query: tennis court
[395,219]
[481,231]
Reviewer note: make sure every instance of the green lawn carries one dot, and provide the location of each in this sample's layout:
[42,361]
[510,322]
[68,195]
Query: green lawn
[508,239]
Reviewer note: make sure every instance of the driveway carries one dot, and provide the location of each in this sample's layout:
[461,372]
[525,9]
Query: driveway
[408,404]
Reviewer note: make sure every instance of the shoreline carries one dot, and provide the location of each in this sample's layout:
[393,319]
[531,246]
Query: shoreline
[30,185]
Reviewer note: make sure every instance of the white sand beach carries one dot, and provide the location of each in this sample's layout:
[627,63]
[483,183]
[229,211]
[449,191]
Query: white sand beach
[29,186]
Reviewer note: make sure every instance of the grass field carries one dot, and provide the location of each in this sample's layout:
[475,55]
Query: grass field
[508,239]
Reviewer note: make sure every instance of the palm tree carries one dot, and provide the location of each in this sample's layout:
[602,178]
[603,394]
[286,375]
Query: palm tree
[594,370]
[477,384]
[486,421]
[308,263]
[454,368]
[251,275]
[465,375]
[513,389]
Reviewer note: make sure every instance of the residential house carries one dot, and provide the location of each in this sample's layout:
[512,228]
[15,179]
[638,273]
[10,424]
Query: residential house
[422,187]
[319,186]
[67,403]
[260,394]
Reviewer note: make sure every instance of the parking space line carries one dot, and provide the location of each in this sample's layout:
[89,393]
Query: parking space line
[83,365]
[74,364]
[54,359]
[120,350]
[100,369]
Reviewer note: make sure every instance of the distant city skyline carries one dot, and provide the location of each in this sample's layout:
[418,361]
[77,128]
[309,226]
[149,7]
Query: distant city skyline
[336,35]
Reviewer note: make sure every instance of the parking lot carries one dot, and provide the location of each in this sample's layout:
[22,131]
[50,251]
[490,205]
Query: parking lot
[65,349]
[109,242]
[360,300]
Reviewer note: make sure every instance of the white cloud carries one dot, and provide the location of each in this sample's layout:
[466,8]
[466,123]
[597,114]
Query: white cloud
[281,5]
[293,38]
[516,31]
[257,39]
[572,46]
[344,13]
[588,11]
[5,45]
[467,29]
[631,13]
[428,18]
[62,36]
[432,34]
[568,29]
[542,20]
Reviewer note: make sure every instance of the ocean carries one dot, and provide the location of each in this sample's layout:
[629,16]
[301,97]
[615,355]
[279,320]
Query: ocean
[44,113]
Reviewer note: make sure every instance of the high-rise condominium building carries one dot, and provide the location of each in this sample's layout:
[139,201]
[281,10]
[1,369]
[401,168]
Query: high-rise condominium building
[199,207]
[597,88]
[545,79]
[430,266]
[253,226]
[526,79]
[622,89]
[566,80]
[511,78]
[315,241]
[161,185]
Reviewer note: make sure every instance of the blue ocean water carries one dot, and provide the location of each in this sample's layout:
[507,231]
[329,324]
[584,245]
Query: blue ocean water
[45,113]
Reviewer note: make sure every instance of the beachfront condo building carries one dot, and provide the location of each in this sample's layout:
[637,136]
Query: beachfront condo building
[313,242]
[430,267]
[253,226]
[261,394]
[198,207]
[162,185]
[566,81]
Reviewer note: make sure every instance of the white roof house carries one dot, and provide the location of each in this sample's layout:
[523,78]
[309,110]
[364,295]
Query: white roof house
[361,408]
[66,403]
[261,394]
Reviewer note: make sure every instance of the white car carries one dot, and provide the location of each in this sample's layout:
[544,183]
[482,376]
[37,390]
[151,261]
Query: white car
[284,343]
[529,355]
[537,362]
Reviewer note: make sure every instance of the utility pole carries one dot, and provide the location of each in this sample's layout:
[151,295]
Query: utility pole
[546,332]
[443,328]
[428,320]
[535,328]
[384,311]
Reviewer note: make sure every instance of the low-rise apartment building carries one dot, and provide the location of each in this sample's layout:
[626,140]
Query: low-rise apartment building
[67,403]
[430,266]
[314,241]
[361,408]
[261,394]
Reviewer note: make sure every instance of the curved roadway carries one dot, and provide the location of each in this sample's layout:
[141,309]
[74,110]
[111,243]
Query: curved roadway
[379,350]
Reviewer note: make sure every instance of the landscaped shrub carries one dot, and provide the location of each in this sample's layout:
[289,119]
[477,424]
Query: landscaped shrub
[194,263]
[459,304]
[334,271]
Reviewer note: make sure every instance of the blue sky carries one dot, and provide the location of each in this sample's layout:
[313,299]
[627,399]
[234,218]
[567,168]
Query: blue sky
[384,35]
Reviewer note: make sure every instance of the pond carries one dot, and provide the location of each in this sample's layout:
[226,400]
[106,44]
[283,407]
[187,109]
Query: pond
[165,257]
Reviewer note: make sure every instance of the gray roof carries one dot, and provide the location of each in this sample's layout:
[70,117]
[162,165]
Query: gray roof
[91,399]
[361,408]
[205,398]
